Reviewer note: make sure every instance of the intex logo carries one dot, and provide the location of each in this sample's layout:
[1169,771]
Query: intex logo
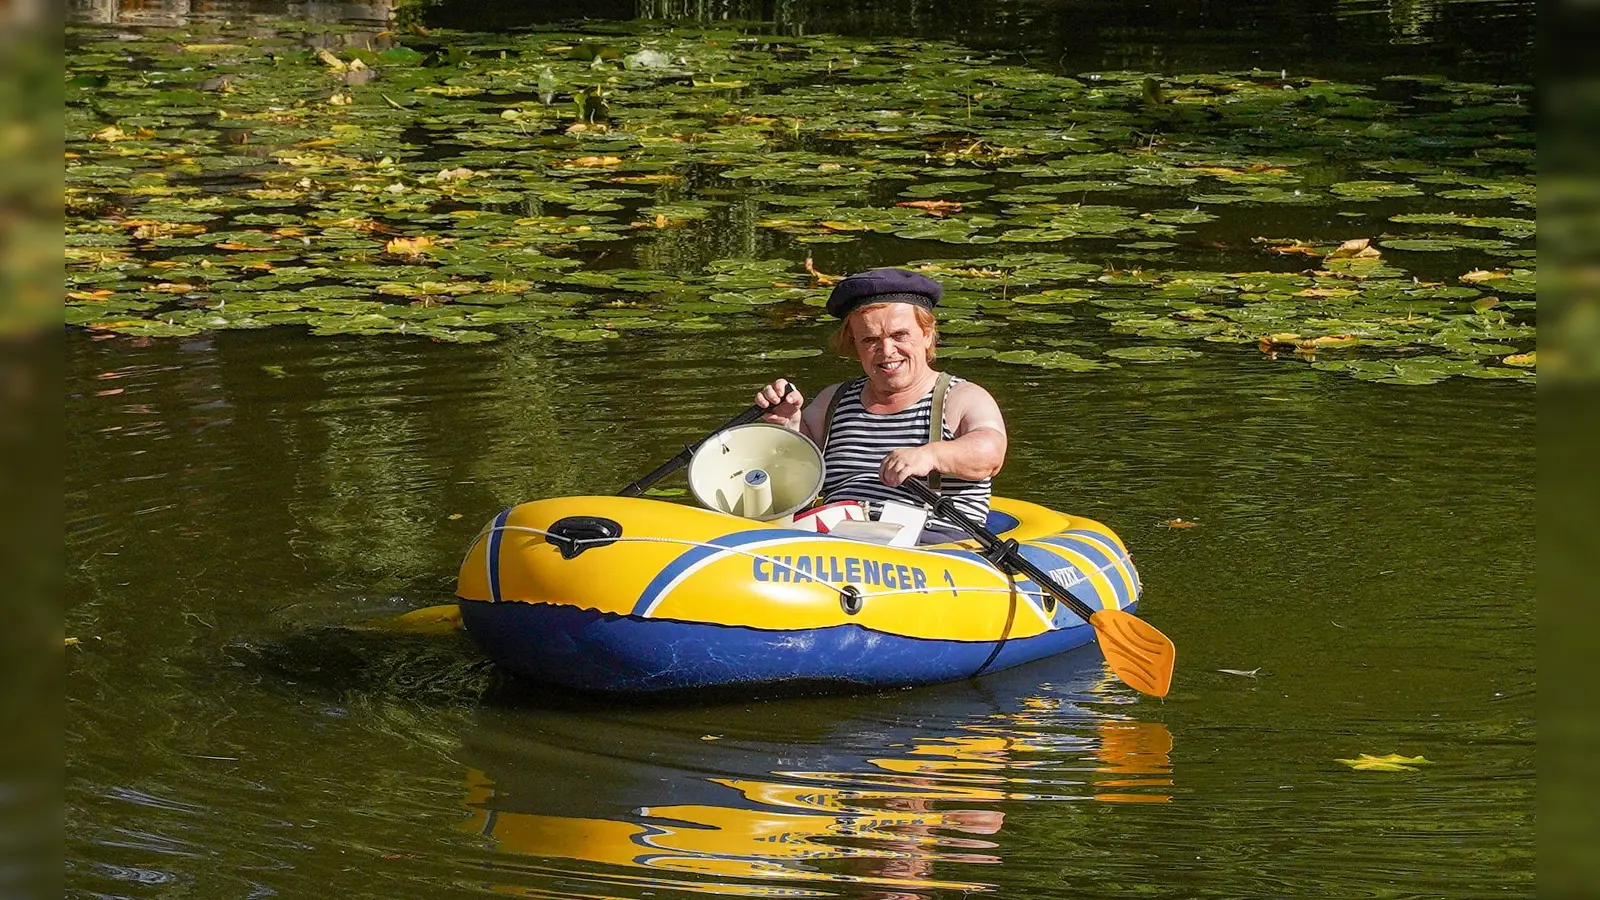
[1066,576]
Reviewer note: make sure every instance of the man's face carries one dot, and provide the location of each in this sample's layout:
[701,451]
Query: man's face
[892,347]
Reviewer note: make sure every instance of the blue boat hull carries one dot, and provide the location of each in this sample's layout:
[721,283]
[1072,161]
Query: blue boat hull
[593,651]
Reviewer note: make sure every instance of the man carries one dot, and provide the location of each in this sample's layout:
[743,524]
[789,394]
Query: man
[875,431]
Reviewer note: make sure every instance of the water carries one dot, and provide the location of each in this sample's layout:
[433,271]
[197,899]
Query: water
[1366,551]
[1360,581]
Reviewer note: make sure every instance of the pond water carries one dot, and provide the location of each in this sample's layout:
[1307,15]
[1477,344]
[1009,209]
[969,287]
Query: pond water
[240,495]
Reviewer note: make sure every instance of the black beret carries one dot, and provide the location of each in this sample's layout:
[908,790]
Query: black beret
[883,286]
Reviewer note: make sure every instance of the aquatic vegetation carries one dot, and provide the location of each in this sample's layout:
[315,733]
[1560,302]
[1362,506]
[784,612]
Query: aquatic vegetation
[455,186]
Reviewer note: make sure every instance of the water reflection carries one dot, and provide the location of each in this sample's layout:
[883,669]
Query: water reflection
[902,794]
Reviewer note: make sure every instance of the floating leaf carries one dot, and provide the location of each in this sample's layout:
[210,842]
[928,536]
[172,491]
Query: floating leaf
[966,352]
[1357,248]
[1374,190]
[1434,245]
[1051,359]
[412,247]
[1152,354]
[932,207]
[1392,762]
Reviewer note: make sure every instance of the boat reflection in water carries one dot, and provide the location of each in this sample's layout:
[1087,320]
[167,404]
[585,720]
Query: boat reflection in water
[901,794]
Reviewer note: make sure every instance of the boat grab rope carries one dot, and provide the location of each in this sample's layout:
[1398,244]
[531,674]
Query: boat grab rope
[848,593]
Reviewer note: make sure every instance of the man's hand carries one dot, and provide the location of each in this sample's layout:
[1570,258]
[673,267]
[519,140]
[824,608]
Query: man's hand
[783,403]
[910,462]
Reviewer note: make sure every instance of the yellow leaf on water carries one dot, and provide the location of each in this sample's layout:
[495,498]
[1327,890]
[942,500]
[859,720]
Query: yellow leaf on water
[590,162]
[1180,523]
[71,642]
[332,62]
[1478,275]
[146,231]
[1393,762]
[1298,247]
[650,178]
[1522,360]
[453,516]
[409,246]
[1360,248]
[1333,340]
[1327,340]
[932,207]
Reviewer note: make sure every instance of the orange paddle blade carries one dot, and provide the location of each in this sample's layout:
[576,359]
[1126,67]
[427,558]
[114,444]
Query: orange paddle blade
[1139,654]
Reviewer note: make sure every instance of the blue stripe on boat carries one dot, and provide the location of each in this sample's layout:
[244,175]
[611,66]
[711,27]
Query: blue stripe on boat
[1122,557]
[590,650]
[492,553]
[1000,523]
[1079,542]
[652,591]
[1084,590]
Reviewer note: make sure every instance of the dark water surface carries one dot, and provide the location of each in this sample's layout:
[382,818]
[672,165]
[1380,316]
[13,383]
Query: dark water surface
[1360,581]
[1368,549]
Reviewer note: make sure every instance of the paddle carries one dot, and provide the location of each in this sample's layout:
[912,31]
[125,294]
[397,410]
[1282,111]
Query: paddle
[1137,653]
[683,458]
[447,617]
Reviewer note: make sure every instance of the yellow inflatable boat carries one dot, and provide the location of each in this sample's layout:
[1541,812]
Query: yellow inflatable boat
[633,595]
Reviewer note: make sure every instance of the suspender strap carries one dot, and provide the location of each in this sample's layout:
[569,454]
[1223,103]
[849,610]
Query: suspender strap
[941,387]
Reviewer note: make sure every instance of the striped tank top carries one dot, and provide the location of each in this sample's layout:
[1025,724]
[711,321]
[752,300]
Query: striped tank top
[858,440]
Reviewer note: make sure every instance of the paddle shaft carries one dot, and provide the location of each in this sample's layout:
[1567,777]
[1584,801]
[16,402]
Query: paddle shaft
[1003,553]
[683,458]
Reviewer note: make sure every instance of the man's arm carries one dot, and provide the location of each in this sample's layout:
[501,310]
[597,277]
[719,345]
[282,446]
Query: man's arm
[785,406]
[976,451]
[813,421]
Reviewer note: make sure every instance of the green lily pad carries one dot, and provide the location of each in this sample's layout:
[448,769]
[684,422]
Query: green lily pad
[579,335]
[1374,190]
[966,352]
[1060,360]
[1438,244]
[939,189]
[1151,354]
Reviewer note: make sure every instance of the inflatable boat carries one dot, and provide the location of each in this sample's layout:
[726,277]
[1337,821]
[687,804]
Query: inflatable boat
[760,586]
[634,595]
